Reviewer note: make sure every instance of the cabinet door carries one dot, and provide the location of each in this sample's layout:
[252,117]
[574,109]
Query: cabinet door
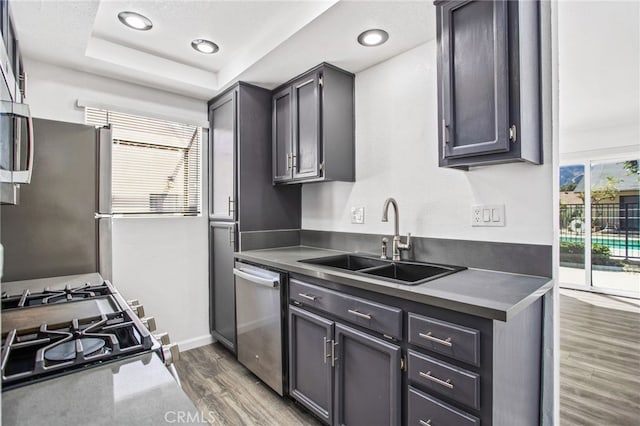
[222,158]
[367,379]
[310,371]
[474,79]
[306,127]
[222,240]
[281,139]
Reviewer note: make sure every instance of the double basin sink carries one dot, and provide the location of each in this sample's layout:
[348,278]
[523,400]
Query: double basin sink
[408,273]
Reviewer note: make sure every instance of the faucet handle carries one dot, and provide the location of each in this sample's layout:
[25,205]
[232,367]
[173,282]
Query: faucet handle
[385,240]
[406,245]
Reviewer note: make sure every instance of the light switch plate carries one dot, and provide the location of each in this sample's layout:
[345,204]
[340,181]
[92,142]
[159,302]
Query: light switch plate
[487,215]
[357,215]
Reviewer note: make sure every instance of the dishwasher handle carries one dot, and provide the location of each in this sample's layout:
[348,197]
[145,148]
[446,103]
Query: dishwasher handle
[267,282]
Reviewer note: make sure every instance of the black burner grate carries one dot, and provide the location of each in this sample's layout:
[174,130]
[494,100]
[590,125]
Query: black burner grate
[24,352]
[48,296]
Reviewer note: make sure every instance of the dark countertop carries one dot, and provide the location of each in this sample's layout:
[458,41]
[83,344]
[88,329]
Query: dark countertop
[488,294]
[134,391]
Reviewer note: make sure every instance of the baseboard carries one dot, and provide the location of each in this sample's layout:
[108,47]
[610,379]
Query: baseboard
[195,342]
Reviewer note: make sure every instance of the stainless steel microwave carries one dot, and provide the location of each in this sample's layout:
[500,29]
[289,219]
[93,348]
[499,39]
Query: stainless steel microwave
[16,148]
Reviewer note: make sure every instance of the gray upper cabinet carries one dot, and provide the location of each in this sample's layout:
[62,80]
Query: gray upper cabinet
[313,127]
[488,82]
[306,127]
[240,180]
[223,158]
[282,130]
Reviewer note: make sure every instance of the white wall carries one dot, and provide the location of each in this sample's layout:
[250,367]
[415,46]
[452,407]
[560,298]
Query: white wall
[163,262]
[599,73]
[53,92]
[397,156]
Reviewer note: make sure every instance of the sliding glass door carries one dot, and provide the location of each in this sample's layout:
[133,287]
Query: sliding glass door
[599,224]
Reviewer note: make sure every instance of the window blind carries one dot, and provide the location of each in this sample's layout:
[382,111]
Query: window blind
[156,164]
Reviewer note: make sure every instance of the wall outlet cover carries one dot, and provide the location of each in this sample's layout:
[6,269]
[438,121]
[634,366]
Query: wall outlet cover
[357,215]
[487,215]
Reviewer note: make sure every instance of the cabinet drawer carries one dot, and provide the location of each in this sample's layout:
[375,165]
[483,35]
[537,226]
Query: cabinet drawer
[453,340]
[456,383]
[425,410]
[374,316]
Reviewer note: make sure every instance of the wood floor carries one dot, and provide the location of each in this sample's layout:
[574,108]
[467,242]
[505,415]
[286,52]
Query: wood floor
[219,385]
[599,360]
[599,372]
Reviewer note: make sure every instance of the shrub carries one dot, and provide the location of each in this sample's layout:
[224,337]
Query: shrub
[573,252]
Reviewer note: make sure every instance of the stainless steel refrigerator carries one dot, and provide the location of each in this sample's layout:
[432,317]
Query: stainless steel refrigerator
[62,225]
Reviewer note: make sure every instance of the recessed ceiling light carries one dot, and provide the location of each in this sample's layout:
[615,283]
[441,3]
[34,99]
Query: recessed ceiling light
[373,37]
[204,46]
[135,20]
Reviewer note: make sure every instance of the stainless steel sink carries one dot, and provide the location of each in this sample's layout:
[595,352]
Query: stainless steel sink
[407,273]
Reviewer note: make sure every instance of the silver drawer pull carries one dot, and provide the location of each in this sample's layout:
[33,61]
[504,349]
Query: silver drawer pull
[428,336]
[427,423]
[446,383]
[359,314]
[306,296]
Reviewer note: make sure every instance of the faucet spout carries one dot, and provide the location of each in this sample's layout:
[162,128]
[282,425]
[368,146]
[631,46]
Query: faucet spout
[397,242]
[385,214]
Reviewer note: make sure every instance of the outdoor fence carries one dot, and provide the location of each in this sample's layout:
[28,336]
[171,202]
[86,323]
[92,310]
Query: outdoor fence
[614,229]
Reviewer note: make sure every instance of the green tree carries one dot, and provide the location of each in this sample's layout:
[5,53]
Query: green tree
[604,192]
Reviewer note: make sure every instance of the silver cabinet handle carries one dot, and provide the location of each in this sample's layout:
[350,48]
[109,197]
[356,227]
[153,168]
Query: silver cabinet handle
[428,336]
[324,349]
[306,296]
[333,353]
[289,161]
[229,203]
[359,314]
[446,383]
[445,141]
[427,423]
[272,283]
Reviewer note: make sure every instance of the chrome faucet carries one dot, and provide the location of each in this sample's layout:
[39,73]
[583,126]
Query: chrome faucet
[397,241]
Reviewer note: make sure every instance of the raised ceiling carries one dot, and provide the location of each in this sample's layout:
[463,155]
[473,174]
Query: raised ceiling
[263,42]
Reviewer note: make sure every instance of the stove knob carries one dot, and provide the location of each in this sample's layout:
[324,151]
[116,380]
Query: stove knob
[163,338]
[138,309]
[133,302]
[171,353]
[149,322]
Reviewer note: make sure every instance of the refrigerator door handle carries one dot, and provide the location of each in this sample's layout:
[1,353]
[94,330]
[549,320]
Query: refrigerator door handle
[104,163]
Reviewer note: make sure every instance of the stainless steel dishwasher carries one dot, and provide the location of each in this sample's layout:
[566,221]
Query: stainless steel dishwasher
[259,322]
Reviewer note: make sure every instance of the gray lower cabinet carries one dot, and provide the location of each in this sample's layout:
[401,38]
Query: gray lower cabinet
[341,374]
[313,127]
[311,374]
[222,315]
[368,379]
[488,82]
[363,358]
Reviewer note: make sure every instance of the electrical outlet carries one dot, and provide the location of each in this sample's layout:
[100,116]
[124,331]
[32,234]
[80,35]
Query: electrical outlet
[357,215]
[476,215]
[487,215]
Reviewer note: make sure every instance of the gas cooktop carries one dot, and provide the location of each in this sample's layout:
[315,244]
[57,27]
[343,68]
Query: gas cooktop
[49,332]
